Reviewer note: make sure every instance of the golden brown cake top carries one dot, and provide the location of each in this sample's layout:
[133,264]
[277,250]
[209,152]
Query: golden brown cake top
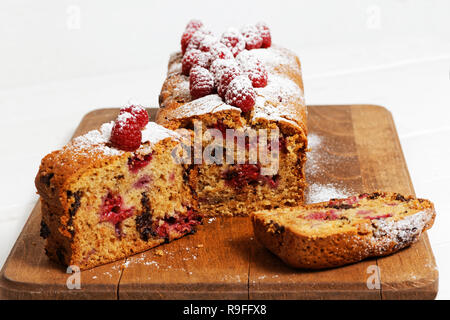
[281,100]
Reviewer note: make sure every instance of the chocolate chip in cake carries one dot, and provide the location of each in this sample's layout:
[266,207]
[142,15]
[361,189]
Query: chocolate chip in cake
[45,231]
[145,201]
[343,206]
[77,202]
[277,229]
[119,230]
[374,195]
[46,179]
[399,197]
[144,221]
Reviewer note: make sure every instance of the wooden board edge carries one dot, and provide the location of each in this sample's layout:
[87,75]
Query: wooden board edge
[157,294]
[425,288]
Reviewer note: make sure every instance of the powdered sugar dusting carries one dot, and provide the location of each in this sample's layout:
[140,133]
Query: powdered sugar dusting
[281,88]
[208,104]
[313,161]
[97,141]
[154,133]
[125,116]
[272,57]
[401,233]
[319,193]
[275,101]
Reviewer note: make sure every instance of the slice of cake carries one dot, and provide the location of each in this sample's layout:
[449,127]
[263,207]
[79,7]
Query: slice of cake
[114,192]
[239,85]
[343,231]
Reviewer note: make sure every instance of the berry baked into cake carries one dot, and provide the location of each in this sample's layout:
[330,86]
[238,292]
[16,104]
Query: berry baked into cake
[343,231]
[114,192]
[246,90]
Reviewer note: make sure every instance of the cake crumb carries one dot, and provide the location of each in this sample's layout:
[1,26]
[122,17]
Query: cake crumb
[200,245]
[159,252]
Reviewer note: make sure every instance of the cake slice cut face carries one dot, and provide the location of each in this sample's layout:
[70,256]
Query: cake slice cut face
[100,204]
[343,231]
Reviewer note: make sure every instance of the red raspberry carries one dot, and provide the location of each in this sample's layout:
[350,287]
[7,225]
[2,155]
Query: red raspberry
[256,71]
[194,24]
[252,36]
[219,65]
[233,40]
[195,57]
[207,43]
[265,34]
[126,133]
[139,112]
[201,82]
[191,28]
[241,94]
[227,75]
[197,38]
[220,51]
[185,38]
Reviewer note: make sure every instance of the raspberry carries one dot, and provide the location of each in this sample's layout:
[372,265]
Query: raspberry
[233,40]
[126,133]
[256,71]
[220,51]
[252,36]
[178,224]
[265,34]
[226,76]
[197,38]
[138,162]
[219,65]
[194,24]
[322,215]
[207,43]
[113,211]
[139,112]
[201,82]
[195,57]
[191,28]
[241,94]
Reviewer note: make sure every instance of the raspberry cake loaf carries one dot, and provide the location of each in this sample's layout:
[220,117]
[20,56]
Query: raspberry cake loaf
[239,81]
[114,192]
[343,231]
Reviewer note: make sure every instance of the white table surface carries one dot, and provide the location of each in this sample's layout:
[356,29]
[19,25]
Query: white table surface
[62,59]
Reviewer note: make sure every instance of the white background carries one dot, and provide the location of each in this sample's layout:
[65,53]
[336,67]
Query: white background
[62,59]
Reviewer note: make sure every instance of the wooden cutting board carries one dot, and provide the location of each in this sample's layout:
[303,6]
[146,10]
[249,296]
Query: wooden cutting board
[359,151]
